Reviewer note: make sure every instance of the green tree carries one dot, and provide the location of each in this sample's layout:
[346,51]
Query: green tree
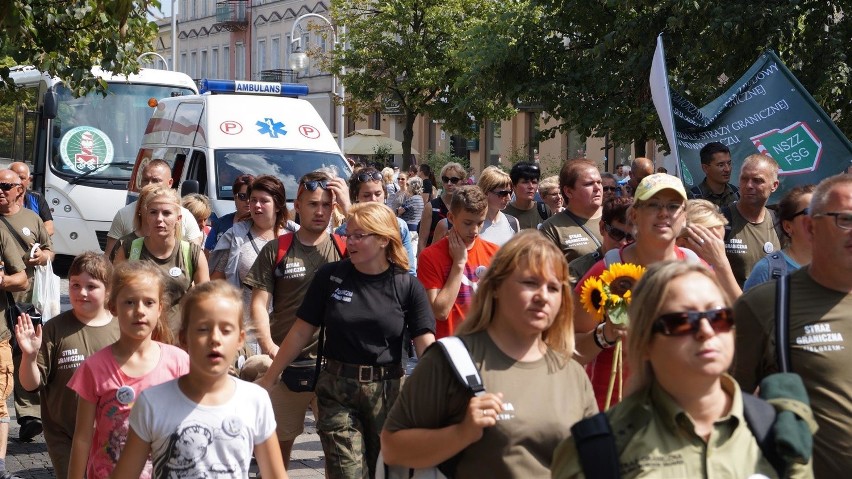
[588,63]
[66,39]
[405,53]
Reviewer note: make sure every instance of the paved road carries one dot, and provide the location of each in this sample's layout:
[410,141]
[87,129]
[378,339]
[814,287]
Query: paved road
[29,460]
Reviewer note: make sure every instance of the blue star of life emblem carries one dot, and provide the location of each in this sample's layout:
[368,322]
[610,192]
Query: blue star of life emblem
[271,127]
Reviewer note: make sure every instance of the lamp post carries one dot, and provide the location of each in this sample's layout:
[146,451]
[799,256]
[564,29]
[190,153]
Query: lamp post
[140,57]
[300,62]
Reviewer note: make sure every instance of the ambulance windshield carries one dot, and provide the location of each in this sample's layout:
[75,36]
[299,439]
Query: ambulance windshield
[287,165]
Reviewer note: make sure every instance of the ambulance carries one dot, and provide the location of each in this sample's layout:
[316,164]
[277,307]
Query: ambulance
[233,128]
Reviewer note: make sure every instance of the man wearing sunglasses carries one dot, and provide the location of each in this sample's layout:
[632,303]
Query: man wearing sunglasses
[610,186]
[616,232]
[529,212]
[33,200]
[32,245]
[819,324]
[716,187]
[284,283]
[156,171]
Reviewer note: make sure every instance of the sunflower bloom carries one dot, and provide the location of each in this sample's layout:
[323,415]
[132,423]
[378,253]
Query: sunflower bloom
[593,297]
[621,277]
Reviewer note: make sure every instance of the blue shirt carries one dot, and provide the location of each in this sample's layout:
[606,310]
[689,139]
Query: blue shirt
[219,227]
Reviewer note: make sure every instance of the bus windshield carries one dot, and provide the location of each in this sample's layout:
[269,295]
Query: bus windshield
[99,136]
[287,165]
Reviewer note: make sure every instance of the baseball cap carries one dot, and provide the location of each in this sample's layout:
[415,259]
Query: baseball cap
[653,184]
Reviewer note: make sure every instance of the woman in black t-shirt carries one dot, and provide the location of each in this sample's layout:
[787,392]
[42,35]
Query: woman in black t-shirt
[453,175]
[364,302]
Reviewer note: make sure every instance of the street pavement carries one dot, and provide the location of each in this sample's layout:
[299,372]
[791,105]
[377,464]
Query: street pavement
[29,460]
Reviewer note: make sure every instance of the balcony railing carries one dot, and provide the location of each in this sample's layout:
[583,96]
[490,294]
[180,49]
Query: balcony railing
[278,75]
[232,14]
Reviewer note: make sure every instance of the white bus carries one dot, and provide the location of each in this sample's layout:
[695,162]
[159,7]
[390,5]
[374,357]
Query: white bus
[81,151]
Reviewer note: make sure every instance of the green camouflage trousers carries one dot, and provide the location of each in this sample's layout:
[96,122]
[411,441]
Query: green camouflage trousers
[351,416]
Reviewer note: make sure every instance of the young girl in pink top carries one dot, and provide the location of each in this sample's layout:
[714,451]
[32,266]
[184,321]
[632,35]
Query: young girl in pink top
[109,382]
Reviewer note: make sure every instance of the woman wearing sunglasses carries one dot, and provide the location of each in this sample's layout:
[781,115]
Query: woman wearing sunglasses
[239,247]
[241,212]
[685,414]
[365,302]
[657,217]
[498,227]
[452,176]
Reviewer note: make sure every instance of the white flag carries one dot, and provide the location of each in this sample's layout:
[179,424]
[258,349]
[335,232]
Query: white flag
[663,103]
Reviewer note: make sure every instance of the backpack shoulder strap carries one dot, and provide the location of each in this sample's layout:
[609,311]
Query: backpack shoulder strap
[760,417]
[596,447]
[782,323]
[542,209]
[777,265]
[513,223]
[136,249]
[340,244]
[459,357]
[696,192]
[285,241]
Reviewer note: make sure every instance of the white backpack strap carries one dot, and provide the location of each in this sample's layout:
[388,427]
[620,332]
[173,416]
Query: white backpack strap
[690,256]
[459,358]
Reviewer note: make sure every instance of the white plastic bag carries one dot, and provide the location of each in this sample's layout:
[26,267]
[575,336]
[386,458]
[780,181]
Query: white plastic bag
[46,291]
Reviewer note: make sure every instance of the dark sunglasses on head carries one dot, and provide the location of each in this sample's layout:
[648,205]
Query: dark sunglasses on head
[799,213]
[688,322]
[502,193]
[618,234]
[450,179]
[312,185]
[8,186]
[243,196]
[365,177]
[611,188]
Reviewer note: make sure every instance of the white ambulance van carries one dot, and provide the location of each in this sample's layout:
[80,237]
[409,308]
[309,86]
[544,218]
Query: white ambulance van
[234,128]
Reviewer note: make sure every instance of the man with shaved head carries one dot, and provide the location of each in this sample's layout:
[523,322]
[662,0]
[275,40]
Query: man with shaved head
[639,169]
[33,200]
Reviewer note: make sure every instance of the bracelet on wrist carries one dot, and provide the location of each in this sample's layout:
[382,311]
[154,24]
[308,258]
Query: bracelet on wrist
[600,337]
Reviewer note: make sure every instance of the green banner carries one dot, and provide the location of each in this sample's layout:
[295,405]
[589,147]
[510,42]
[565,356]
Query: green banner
[766,111]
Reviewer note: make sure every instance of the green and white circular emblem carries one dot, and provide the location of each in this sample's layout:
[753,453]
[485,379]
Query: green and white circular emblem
[85,149]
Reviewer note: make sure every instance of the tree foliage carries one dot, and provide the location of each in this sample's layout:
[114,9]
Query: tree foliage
[66,38]
[588,63]
[405,53]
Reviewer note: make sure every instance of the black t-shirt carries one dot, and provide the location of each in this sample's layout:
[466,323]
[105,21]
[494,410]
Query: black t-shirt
[427,187]
[363,318]
[35,201]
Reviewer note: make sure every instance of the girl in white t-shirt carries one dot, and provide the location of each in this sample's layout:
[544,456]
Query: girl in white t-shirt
[205,423]
[108,382]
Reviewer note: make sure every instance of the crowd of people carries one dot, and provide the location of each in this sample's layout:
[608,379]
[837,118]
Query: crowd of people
[193,346]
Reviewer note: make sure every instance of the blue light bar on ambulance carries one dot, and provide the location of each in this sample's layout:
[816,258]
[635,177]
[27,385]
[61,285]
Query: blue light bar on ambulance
[292,90]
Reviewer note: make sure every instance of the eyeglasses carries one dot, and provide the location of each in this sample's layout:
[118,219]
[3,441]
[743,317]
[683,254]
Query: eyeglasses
[804,211]
[689,322]
[842,220]
[614,189]
[657,207]
[450,179]
[618,234]
[502,193]
[312,185]
[8,186]
[357,237]
[243,196]
[722,165]
[365,177]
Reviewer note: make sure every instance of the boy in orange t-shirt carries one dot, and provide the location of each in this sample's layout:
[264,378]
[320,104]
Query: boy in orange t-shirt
[450,268]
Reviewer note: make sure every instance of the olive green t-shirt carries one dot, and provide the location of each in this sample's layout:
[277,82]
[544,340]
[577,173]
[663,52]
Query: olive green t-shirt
[288,281]
[656,439]
[27,226]
[541,401]
[569,235]
[13,263]
[820,323]
[66,343]
[747,243]
[527,219]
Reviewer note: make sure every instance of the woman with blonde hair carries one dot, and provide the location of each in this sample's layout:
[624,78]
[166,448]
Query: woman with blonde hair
[685,416]
[704,233]
[364,302]
[519,333]
[391,188]
[498,227]
[183,263]
[411,208]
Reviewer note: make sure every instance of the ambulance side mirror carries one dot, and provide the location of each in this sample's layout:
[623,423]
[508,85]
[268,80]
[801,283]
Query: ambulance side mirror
[188,187]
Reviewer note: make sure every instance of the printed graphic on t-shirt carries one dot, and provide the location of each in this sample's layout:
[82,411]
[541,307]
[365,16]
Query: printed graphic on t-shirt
[290,268]
[576,239]
[470,281]
[342,295]
[819,338]
[508,412]
[736,246]
[70,359]
[186,454]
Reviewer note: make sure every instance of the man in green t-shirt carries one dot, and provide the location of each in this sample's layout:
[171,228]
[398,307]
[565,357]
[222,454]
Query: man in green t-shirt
[529,212]
[286,283]
[820,322]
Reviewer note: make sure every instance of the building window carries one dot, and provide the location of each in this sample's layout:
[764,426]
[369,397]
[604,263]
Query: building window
[193,64]
[261,56]
[226,62]
[214,63]
[276,53]
[183,65]
[493,138]
[203,69]
[287,48]
[240,62]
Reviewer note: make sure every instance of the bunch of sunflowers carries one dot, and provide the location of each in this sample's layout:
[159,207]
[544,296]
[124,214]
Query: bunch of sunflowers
[609,295]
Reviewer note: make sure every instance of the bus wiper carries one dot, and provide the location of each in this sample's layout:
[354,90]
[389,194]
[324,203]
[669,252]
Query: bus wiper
[101,166]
